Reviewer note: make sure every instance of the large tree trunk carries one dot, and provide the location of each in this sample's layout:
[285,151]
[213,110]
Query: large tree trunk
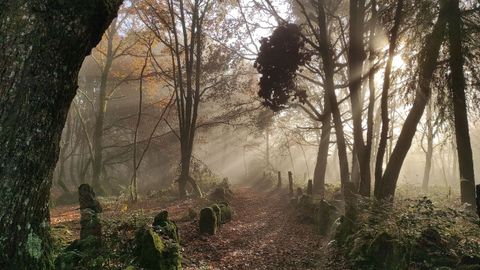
[464,148]
[356,57]
[97,139]
[322,156]
[329,70]
[428,63]
[366,183]
[382,144]
[43,44]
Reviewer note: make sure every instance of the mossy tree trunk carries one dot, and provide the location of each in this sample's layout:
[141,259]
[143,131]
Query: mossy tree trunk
[42,46]
[462,134]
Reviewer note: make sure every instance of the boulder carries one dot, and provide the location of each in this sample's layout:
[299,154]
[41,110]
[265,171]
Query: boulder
[189,215]
[208,221]
[87,199]
[226,212]
[305,208]
[162,225]
[324,217]
[221,194]
[90,224]
[218,213]
[157,252]
[80,250]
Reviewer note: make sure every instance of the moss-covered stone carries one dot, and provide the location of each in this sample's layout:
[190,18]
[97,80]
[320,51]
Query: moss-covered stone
[90,224]
[161,224]
[68,260]
[325,215]
[305,209]
[221,194]
[218,213]
[190,215]
[157,253]
[226,212]
[343,229]
[75,255]
[160,218]
[208,221]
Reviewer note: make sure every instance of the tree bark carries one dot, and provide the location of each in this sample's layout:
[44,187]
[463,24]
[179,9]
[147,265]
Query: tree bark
[322,156]
[429,152]
[329,70]
[382,145]
[356,57]
[428,63]
[43,44]
[366,183]
[462,135]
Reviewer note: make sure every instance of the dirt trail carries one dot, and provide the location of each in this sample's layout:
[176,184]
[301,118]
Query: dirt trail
[263,235]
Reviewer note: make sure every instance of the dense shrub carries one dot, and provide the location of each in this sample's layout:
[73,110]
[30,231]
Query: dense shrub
[412,234]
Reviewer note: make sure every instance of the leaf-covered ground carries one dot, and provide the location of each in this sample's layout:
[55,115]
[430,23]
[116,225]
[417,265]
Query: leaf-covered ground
[264,234]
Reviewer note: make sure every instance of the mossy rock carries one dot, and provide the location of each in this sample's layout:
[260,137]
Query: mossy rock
[344,227]
[157,253]
[324,216]
[221,194]
[226,212]
[161,224]
[75,254]
[90,224]
[306,209]
[68,260]
[190,215]
[160,218]
[208,221]
[218,213]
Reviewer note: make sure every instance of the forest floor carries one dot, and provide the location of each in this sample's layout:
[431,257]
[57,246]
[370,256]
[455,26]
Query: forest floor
[264,234]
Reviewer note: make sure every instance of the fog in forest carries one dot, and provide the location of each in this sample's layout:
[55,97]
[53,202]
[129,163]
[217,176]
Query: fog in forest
[237,137]
[239,134]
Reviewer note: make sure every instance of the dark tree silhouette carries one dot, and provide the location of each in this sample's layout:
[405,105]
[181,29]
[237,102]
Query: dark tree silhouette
[280,56]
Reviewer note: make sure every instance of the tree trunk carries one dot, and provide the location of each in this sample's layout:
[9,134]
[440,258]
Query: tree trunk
[184,172]
[355,174]
[100,118]
[464,148]
[428,63]
[366,183]
[382,144]
[429,152]
[356,56]
[43,46]
[329,70]
[322,156]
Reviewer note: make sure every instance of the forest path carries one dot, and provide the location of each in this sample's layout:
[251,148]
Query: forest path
[263,234]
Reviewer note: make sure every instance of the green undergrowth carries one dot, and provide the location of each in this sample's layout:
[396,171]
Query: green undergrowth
[412,234]
[118,242]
